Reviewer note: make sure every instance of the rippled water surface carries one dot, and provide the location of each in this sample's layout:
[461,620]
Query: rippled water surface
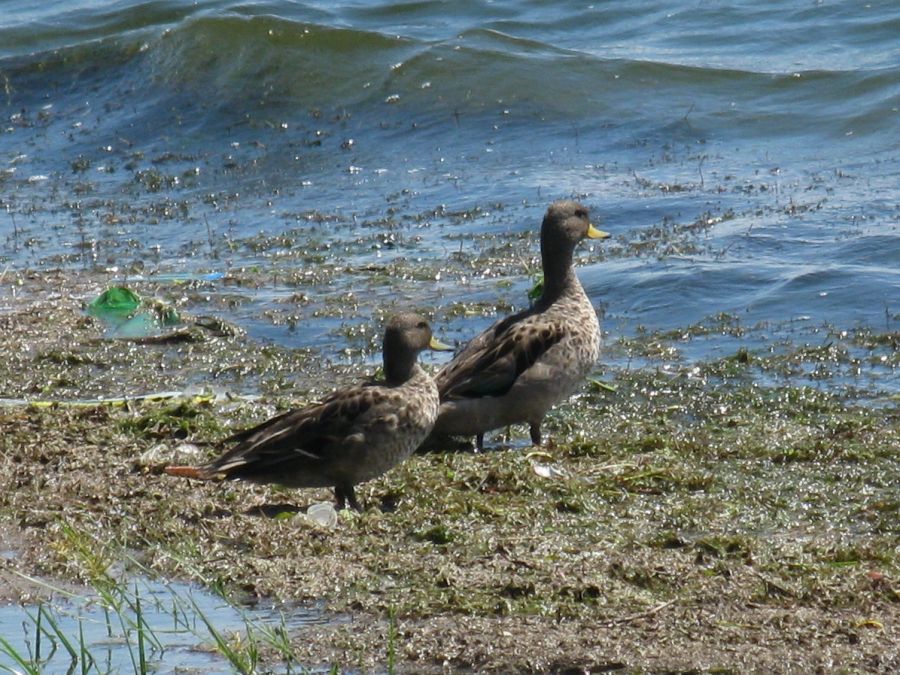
[745,158]
[163,626]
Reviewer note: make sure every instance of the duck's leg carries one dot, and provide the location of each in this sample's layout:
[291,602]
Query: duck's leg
[340,501]
[479,442]
[345,494]
[535,429]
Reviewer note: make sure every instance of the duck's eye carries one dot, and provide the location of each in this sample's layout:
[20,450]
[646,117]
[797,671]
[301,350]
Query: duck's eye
[581,213]
[422,324]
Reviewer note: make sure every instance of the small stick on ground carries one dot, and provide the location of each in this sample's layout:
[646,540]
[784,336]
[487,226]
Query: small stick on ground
[640,615]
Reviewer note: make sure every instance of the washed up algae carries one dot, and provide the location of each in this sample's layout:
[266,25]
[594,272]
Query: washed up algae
[696,517]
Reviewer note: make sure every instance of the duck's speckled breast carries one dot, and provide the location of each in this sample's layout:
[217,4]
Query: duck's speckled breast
[391,437]
[575,356]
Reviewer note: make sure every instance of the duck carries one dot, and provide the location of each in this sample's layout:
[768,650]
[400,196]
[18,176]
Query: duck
[355,434]
[524,364]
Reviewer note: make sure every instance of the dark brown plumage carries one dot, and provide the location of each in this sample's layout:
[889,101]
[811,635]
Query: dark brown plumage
[355,434]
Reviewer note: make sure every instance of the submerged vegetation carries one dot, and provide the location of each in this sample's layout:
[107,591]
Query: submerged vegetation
[135,623]
[727,514]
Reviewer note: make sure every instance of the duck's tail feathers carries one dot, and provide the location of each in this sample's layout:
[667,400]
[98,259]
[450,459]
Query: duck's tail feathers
[187,472]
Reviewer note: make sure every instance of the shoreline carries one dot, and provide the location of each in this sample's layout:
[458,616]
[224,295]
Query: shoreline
[675,520]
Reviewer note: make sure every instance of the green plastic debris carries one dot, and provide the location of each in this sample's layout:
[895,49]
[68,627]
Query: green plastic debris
[117,301]
[165,314]
[127,315]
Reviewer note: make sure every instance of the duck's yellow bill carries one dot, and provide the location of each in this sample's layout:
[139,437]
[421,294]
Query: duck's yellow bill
[439,346]
[594,233]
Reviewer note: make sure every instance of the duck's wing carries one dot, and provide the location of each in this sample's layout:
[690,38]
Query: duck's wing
[311,436]
[492,362]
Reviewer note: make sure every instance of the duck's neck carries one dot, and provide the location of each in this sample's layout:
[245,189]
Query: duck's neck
[559,275]
[399,367]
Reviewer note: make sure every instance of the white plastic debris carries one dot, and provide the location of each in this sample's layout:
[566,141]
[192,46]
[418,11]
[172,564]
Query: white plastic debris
[548,471]
[322,514]
[155,454]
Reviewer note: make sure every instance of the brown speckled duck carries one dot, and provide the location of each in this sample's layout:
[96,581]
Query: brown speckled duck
[354,435]
[517,369]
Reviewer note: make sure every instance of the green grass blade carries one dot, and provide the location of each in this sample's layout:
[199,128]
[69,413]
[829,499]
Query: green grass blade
[142,656]
[57,632]
[86,659]
[276,637]
[241,663]
[37,640]
[28,667]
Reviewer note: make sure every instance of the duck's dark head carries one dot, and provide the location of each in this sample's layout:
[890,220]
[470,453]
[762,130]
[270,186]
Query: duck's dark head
[405,335]
[565,224]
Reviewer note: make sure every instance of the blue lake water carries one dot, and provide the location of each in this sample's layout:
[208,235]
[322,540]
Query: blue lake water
[746,158]
[174,635]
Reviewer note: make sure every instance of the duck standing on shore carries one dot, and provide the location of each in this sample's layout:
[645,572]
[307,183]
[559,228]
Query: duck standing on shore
[517,369]
[355,434]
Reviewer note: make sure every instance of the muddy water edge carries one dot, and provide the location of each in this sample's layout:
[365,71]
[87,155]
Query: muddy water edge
[731,514]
